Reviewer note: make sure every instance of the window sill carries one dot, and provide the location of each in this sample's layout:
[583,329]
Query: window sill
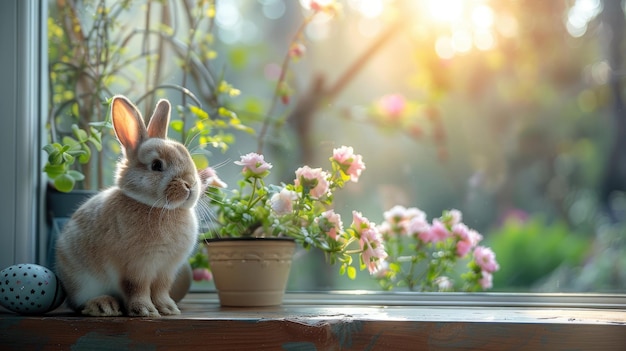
[344,321]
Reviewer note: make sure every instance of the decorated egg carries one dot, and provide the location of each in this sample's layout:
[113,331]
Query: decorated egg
[30,289]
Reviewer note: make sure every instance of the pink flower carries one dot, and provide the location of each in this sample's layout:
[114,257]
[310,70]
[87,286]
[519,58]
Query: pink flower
[297,50]
[254,165]
[394,221]
[327,6]
[370,240]
[453,217]
[210,179]
[200,274]
[444,283]
[413,212]
[463,248]
[330,223]
[372,249]
[282,202]
[437,233]
[392,105]
[466,241]
[382,270]
[486,280]
[351,164]
[486,259]
[313,179]
[416,222]
[395,214]
[385,229]
[359,222]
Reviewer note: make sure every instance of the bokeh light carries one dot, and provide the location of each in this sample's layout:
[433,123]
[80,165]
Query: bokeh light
[273,9]
[446,10]
[367,8]
[580,15]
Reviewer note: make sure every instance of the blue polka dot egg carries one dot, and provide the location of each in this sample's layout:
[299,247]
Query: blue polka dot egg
[30,289]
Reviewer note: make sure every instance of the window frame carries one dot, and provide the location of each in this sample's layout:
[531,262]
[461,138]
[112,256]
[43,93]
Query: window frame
[23,26]
[22,95]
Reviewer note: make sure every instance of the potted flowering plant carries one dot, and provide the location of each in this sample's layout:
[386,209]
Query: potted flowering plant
[287,214]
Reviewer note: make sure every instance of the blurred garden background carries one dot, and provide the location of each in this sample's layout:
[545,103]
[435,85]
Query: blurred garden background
[509,111]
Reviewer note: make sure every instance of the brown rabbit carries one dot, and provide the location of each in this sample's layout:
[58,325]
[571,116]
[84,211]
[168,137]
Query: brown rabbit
[121,250]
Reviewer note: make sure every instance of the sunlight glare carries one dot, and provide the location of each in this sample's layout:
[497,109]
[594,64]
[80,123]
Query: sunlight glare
[274,9]
[318,30]
[482,16]
[228,16]
[369,27]
[445,10]
[580,14]
[461,41]
[484,40]
[443,47]
[507,25]
[367,8]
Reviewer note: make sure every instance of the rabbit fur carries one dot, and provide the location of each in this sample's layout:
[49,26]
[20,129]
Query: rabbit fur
[120,251]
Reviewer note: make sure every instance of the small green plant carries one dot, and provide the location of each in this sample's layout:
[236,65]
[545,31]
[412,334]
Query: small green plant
[62,156]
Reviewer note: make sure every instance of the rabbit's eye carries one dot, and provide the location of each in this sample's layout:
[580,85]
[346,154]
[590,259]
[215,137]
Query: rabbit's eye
[157,166]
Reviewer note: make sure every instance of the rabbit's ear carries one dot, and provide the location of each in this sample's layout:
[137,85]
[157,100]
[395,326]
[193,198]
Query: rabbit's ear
[159,122]
[127,123]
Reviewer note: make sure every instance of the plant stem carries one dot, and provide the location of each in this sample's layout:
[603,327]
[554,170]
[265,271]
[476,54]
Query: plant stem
[252,201]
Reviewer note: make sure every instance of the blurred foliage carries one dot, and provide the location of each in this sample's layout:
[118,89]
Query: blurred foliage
[530,250]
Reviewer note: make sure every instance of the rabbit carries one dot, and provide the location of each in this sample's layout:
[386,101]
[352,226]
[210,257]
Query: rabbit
[120,251]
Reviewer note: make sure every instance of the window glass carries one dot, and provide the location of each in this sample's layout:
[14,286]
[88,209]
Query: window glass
[509,112]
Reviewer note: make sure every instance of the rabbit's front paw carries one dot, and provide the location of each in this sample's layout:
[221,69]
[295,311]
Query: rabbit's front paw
[141,308]
[102,306]
[167,306]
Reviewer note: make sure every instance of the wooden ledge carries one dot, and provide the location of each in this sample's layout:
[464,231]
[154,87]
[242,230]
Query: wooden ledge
[344,322]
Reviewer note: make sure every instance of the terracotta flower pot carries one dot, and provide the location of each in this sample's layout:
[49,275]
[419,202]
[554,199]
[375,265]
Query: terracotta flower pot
[250,271]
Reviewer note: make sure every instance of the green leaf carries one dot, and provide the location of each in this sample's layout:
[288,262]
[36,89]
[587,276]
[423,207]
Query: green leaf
[70,143]
[80,134]
[54,171]
[351,272]
[55,158]
[84,157]
[200,160]
[198,112]
[64,183]
[395,267]
[243,128]
[50,149]
[96,143]
[101,124]
[66,158]
[222,111]
[177,126]
[238,58]
[76,175]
